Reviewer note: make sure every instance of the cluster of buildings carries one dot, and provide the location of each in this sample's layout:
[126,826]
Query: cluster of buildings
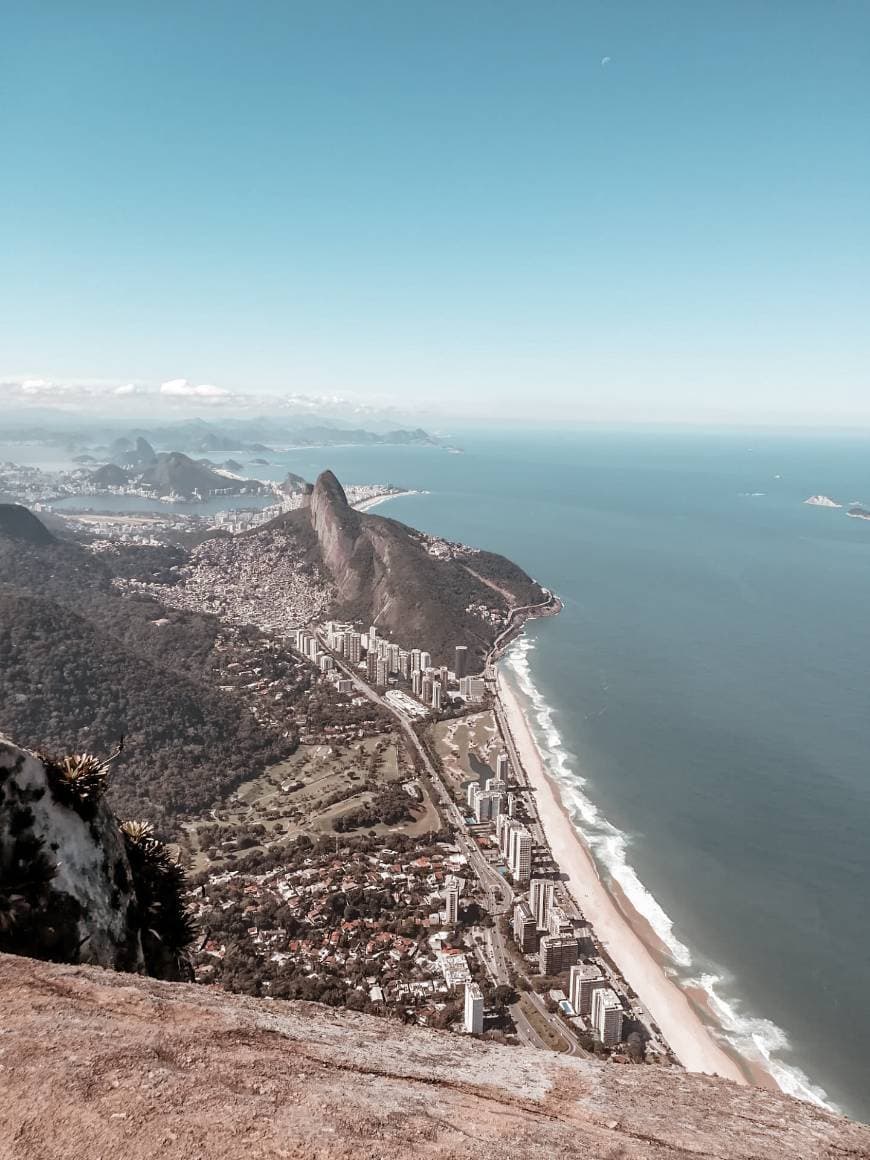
[494,805]
[385,663]
[368,953]
[541,924]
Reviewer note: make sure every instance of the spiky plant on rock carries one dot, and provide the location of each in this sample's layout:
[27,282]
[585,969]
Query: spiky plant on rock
[158,879]
[78,780]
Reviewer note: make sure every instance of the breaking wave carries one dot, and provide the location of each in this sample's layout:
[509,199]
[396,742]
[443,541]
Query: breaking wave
[757,1040]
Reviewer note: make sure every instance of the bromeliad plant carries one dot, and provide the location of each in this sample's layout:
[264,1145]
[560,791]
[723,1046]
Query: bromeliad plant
[158,878]
[80,780]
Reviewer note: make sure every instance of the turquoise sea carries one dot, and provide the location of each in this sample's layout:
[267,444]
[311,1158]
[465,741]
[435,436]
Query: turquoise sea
[704,697]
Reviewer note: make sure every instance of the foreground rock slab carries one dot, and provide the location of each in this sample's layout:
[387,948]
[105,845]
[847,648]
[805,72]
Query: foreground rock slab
[95,1064]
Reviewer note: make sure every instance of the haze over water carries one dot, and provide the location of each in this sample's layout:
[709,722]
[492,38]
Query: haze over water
[708,679]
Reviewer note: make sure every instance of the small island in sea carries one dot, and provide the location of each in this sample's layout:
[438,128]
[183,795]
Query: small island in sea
[859,512]
[822,501]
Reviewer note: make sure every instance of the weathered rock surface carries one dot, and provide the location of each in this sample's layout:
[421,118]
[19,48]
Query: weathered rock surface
[66,886]
[100,1065]
[74,886]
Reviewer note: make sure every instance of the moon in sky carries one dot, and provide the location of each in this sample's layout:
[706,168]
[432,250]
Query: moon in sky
[605,61]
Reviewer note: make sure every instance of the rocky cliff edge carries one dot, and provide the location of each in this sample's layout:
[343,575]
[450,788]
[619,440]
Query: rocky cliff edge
[97,1064]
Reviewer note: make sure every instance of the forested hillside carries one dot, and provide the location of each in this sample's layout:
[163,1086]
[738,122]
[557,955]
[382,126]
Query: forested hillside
[202,705]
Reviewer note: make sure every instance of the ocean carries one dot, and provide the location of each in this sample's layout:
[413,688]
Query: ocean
[703,698]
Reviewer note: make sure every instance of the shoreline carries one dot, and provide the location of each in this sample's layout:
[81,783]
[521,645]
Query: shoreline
[365,505]
[671,1008]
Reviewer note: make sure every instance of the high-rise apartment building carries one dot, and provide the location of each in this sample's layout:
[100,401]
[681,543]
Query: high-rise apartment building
[520,854]
[473,1009]
[472,688]
[404,663]
[541,899]
[502,767]
[607,1016]
[416,667]
[417,683]
[425,661]
[460,661]
[505,827]
[525,927]
[436,696]
[394,658]
[426,691]
[557,953]
[558,921]
[382,674]
[488,806]
[586,978]
[452,890]
[354,647]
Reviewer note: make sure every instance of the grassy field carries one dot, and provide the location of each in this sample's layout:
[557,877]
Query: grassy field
[308,791]
[467,748]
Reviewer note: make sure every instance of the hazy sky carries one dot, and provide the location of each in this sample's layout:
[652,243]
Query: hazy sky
[604,208]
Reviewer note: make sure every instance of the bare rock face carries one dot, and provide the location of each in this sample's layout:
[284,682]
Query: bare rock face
[75,886]
[337,527]
[66,886]
[96,1064]
[418,593]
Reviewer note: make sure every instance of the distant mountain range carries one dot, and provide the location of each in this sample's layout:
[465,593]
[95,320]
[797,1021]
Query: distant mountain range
[260,434]
[169,473]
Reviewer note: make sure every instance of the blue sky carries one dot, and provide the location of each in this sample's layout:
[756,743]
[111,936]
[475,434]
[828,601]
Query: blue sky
[452,204]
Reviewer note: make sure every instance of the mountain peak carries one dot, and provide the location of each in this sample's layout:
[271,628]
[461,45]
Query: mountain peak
[328,490]
[335,523]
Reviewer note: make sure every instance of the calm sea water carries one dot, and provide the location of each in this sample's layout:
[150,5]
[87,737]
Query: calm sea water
[705,696]
[134,504]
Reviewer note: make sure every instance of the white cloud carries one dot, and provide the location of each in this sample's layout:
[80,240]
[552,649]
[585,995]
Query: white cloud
[39,387]
[126,389]
[181,388]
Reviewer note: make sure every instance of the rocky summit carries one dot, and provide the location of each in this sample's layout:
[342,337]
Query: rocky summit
[95,1064]
[409,585]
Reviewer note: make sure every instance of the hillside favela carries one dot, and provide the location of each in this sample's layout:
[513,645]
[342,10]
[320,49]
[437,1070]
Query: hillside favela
[432,678]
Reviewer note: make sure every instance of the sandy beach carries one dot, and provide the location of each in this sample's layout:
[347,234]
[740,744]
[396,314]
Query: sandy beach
[365,505]
[689,1038]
